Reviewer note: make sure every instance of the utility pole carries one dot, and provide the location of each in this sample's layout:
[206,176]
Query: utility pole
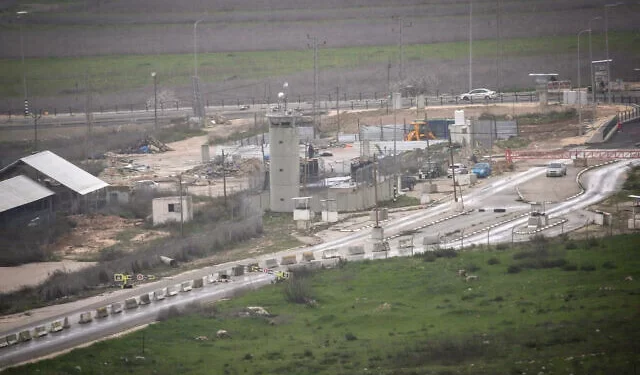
[181,206]
[20,14]
[498,45]
[470,45]
[401,26]
[89,116]
[338,112]
[36,116]
[315,81]
[224,178]
[375,187]
[593,91]
[453,170]
[388,79]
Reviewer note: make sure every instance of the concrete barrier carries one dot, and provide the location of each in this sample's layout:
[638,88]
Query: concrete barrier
[307,256]
[168,261]
[198,283]
[12,339]
[3,342]
[288,259]
[40,331]
[24,335]
[130,303]
[102,312]
[116,308]
[144,299]
[355,250]
[237,270]
[315,264]
[158,295]
[330,253]
[185,286]
[85,318]
[253,267]
[271,263]
[380,246]
[330,263]
[56,326]
[172,291]
[211,279]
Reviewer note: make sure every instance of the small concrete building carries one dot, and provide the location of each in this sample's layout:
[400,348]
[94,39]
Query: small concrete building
[24,202]
[167,209]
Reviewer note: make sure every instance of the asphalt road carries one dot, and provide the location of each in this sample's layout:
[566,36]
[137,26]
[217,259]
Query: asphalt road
[448,224]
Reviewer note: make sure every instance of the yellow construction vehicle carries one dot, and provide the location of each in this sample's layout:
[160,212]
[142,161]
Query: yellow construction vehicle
[420,131]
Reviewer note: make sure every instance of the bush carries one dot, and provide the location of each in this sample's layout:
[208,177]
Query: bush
[592,242]
[588,267]
[493,261]
[514,269]
[570,267]
[350,336]
[429,256]
[502,246]
[472,268]
[297,289]
[609,265]
[571,245]
[446,253]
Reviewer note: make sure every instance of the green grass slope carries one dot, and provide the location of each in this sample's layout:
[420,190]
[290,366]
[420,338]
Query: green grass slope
[550,307]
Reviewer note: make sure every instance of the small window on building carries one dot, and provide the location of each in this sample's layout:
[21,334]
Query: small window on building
[172,207]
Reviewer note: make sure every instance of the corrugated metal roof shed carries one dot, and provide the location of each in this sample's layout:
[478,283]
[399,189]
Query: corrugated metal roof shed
[20,190]
[69,175]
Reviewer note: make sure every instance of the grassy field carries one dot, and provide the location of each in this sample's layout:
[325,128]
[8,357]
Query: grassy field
[551,308]
[59,76]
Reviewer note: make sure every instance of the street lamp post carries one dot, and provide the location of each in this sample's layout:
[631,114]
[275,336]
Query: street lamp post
[24,70]
[606,43]
[579,82]
[195,48]
[470,45]
[593,91]
[155,101]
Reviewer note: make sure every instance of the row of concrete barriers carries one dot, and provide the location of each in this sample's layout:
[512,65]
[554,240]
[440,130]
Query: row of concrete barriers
[86,317]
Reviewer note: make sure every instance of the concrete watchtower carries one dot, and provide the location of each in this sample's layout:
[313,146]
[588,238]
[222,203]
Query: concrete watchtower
[284,170]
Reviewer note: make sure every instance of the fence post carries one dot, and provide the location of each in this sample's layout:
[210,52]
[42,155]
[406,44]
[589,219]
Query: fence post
[411,102]
[222,103]
[116,108]
[177,105]
[70,113]
[352,105]
[9,115]
[207,102]
[516,97]
[441,100]
[375,95]
[55,111]
[366,104]
[360,96]
[253,101]
[131,107]
[345,96]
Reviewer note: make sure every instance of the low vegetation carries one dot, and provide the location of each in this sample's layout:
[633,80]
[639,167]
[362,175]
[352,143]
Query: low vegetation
[405,316]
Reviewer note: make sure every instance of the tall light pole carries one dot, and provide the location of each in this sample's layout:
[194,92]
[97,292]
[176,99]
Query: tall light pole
[155,101]
[606,43]
[593,90]
[470,45]
[21,14]
[195,48]
[579,82]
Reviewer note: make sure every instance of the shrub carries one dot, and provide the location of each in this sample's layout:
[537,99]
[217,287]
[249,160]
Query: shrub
[350,336]
[571,245]
[446,253]
[471,267]
[570,267]
[493,261]
[514,269]
[502,246]
[429,256]
[592,242]
[170,313]
[609,265]
[297,289]
[588,267]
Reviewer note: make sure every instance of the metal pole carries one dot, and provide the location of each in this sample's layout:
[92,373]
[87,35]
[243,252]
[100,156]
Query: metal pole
[181,206]
[453,170]
[579,80]
[155,101]
[195,48]
[470,45]
[593,91]
[224,180]
[24,70]
[375,187]
[606,42]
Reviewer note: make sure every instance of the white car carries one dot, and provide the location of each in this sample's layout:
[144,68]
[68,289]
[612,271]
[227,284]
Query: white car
[478,94]
[556,169]
[458,168]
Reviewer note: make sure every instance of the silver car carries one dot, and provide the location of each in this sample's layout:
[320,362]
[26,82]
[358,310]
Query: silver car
[478,94]
[556,170]
[459,169]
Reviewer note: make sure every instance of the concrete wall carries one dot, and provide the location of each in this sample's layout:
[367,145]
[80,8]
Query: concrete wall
[485,130]
[361,197]
[161,207]
[284,172]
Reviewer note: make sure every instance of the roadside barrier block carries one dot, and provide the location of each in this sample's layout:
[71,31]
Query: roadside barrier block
[271,263]
[355,250]
[315,264]
[307,256]
[198,283]
[102,312]
[130,303]
[330,263]
[24,335]
[172,291]
[185,286]
[288,259]
[116,308]
[3,342]
[144,299]
[254,267]
[330,254]
[158,295]
[380,246]
[85,318]
[40,331]
[211,279]
[237,270]
[56,326]
[66,323]
[12,339]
